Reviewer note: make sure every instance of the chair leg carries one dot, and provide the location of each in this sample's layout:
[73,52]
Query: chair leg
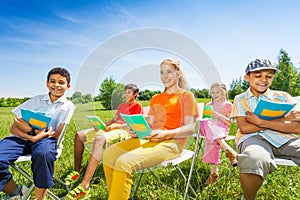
[197,149]
[61,182]
[27,176]
[137,184]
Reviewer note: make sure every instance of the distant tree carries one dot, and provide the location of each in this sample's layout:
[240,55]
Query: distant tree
[78,97]
[146,95]
[288,78]
[200,93]
[236,87]
[88,98]
[11,102]
[245,85]
[110,93]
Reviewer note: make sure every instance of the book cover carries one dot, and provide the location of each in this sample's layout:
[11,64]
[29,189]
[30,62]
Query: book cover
[37,120]
[97,122]
[138,124]
[208,111]
[270,110]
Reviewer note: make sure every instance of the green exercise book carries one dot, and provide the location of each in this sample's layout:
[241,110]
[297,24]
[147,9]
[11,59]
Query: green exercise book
[37,120]
[208,111]
[138,124]
[270,110]
[96,122]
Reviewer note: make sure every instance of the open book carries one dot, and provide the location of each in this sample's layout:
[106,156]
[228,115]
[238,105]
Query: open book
[270,110]
[138,124]
[37,120]
[96,122]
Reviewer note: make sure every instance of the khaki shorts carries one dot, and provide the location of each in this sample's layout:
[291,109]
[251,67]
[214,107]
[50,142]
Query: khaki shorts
[111,137]
[256,155]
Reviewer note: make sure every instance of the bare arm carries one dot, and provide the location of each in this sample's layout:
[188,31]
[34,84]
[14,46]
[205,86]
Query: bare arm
[180,132]
[247,127]
[110,122]
[21,128]
[288,124]
[222,118]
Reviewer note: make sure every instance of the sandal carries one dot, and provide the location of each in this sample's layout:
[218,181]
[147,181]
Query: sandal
[231,154]
[212,178]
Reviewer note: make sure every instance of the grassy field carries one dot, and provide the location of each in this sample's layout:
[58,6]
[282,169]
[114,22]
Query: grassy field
[282,184]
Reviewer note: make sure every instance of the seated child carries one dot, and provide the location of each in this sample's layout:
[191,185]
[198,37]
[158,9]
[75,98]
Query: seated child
[115,130]
[216,130]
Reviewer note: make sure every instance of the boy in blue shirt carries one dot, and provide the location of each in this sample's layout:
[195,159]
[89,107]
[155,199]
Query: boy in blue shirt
[41,144]
[259,141]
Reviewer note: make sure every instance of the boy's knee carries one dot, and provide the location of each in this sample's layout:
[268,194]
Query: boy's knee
[259,164]
[44,155]
[100,140]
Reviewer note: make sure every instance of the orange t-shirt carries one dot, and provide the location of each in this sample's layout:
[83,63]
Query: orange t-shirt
[169,110]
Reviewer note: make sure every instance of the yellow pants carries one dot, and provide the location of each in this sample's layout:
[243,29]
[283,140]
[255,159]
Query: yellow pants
[121,160]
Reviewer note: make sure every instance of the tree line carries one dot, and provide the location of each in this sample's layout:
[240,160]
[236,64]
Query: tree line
[111,92]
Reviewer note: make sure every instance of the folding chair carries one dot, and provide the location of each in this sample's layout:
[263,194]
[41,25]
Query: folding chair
[185,155]
[286,162]
[27,158]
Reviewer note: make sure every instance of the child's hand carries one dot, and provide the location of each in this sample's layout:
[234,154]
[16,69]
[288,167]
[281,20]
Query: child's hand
[157,136]
[253,118]
[132,134]
[294,115]
[43,134]
[111,127]
[216,115]
[95,129]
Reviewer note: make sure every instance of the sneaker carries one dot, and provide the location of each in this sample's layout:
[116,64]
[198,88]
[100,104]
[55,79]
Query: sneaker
[78,193]
[23,191]
[71,178]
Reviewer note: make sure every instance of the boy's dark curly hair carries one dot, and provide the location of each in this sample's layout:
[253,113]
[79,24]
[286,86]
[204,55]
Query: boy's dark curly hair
[61,71]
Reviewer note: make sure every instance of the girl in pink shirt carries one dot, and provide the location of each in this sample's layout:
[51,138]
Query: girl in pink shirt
[215,130]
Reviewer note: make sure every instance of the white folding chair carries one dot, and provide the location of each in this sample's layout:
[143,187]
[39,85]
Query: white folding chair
[27,158]
[185,155]
[286,162]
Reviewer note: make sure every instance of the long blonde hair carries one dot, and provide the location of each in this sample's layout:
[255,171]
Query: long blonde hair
[182,83]
[220,86]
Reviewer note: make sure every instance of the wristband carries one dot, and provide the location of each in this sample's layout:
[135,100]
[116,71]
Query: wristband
[31,132]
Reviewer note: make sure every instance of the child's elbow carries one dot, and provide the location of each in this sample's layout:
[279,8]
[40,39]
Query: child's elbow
[243,130]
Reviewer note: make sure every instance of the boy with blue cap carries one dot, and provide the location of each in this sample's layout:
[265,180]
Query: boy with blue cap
[259,141]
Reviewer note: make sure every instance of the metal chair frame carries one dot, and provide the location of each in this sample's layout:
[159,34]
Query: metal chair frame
[185,155]
[27,158]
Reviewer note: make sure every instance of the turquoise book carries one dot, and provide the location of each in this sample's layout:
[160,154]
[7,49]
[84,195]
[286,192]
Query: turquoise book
[138,124]
[37,120]
[96,122]
[270,110]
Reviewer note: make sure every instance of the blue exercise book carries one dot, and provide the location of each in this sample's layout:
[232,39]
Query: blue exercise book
[270,110]
[138,124]
[37,120]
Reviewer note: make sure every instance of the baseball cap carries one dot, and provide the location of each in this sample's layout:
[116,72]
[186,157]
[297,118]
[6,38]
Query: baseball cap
[260,64]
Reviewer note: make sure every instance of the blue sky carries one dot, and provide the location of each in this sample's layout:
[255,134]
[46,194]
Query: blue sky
[38,35]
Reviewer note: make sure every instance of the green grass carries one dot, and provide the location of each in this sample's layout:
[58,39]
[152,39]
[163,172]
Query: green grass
[282,184]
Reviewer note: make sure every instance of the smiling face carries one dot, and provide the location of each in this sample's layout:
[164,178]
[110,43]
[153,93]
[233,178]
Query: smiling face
[260,81]
[57,86]
[217,94]
[130,95]
[169,77]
